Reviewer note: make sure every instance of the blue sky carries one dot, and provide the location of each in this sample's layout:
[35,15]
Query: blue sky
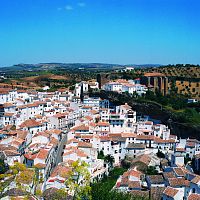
[107,31]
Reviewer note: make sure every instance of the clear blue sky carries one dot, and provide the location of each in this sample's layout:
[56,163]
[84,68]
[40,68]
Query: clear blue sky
[107,31]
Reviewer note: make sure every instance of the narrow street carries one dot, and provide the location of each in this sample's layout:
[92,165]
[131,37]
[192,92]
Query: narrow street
[60,149]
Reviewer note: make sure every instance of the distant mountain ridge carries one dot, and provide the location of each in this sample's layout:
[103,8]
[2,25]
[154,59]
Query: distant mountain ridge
[50,66]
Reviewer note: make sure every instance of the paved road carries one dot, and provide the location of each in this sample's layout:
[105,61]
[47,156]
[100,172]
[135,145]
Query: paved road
[59,153]
[60,149]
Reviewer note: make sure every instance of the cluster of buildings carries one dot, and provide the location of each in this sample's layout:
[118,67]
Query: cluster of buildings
[50,130]
[123,86]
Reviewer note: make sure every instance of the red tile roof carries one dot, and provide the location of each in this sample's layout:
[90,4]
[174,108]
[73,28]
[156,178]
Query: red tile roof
[179,171]
[170,192]
[81,128]
[103,124]
[194,197]
[196,180]
[84,145]
[30,123]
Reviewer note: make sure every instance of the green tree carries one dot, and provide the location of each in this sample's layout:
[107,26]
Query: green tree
[100,155]
[2,167]
[78,181]
[160,154]
[151,170]
[109,159]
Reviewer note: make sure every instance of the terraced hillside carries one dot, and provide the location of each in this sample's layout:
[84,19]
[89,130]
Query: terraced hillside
[179,71]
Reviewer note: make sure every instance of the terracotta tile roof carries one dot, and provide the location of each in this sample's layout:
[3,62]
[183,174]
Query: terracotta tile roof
[140,194]
[115,134]
[135,173]
[54,141]
[38,116]
[61,170]
[196,180]
[161,141]
[56,131]
[41,154]
[146,159]
[30,156]
[22,106]
[145,137]
[82,127]
[44,134]
[190,144]
[180,150]
[84,145]
[135,146]
[194,197]
[104,138]
[72,141]
[76,151]
[94,112]
[40,165]
[7,105]
[134,184]
[4,147]
[178,171]
[4,91]
[40,102]
[59,115]
[77,135]
[117,138]
[86,107]
[30,123]
[21,91]
[156,193]
[124,182]
[11,153]
[170,192]
[87,136]
[92,124]
[8,114]
[103,124]
[7,128]
[148,123]
[174,182]
[168,175]
[156,179]
[89,118]
[32,105]
[129,135]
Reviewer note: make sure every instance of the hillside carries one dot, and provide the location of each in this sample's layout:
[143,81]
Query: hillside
[179,71]
[185,78]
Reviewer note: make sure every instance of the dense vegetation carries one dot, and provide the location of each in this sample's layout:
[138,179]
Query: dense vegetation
[102,190]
